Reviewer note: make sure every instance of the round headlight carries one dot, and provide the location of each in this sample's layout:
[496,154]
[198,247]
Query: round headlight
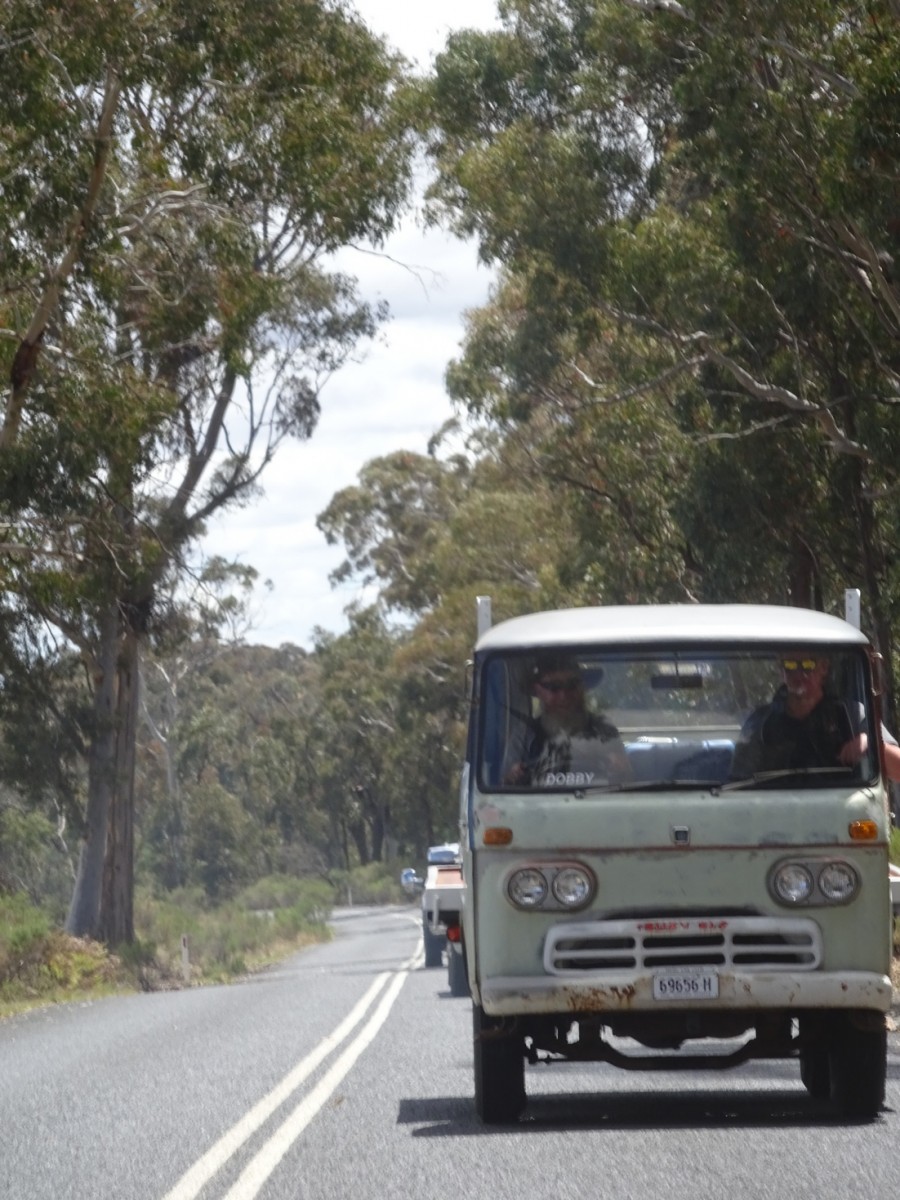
[572,887]
[527,888]
[792,883]
[838,882]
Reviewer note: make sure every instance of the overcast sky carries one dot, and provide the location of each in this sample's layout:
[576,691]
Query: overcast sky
[392,400]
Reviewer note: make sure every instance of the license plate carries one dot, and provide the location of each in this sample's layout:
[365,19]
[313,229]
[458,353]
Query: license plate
[685,983]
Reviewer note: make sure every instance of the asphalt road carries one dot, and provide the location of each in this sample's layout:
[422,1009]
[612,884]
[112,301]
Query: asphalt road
[347,1071]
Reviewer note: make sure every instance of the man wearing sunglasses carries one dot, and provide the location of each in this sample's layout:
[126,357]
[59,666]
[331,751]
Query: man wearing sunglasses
[803,726]
[566,743]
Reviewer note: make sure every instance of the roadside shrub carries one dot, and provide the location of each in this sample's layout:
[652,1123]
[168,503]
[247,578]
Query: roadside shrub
[75,965]
[265,921]
[40,963]
[32,862]
[24,930]
[375,883]
[312,898]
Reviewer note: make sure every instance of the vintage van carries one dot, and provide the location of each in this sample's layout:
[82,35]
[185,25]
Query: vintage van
[658,850]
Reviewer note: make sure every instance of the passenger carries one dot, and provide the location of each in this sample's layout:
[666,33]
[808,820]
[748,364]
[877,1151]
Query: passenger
[566,744]
[803,726]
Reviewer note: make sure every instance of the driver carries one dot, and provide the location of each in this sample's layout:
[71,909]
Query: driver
[566,743]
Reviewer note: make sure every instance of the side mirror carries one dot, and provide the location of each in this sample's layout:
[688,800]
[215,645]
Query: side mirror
[878,673]
[409,881]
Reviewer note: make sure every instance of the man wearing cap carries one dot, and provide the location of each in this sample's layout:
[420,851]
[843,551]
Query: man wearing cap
[567,745]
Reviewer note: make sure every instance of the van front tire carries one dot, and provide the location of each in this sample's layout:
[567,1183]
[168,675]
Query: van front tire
[499,1069]
[815,1072]
[857,1060]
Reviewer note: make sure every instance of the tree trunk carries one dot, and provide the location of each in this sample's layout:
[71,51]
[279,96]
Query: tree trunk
[803,580]
[357,830]
[874,575]
[117,910]
[379,823]
[345,845]
[83,918]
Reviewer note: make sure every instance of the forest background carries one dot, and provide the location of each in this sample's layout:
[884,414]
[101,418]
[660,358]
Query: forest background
[685,387]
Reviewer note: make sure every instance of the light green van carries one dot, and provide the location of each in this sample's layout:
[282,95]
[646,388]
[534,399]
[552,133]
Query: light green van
[657,848]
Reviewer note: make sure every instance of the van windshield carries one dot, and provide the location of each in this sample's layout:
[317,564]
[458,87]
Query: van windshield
[577,719]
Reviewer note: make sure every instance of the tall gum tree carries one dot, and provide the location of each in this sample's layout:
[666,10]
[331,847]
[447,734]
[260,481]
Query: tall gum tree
[697,201]
[175,177]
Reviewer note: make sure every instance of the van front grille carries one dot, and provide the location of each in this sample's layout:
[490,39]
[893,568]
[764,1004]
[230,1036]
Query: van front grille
[763,943]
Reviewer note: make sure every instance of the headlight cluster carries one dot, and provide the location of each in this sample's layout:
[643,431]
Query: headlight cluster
[551,886]
[813,881]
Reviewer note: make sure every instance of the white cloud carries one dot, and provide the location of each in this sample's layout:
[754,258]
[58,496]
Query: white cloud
[418,28]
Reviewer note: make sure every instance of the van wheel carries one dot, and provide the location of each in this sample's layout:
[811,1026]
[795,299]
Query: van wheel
[857,1060]
[456,971]
[434,946]
[499,1069]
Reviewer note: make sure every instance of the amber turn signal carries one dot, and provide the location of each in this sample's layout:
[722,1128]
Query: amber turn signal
[497,835]
[863,831]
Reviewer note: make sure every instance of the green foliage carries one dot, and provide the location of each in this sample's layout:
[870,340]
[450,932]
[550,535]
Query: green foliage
[684,387]
[229,939]
[23,925]
[176,181]
[374,883]
[32,861]
[696,322]
[38,963]
[221,841]
[305,899]
[225,793]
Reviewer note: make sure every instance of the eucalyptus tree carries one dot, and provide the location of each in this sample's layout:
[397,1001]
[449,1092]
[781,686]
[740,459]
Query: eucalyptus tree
[421,528]
[389,520]
[428,535]
[222,728]
[692,206]
[353,734]
[174,178]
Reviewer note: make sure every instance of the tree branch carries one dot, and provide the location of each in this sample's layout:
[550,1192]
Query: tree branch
[854,240]
[26,356]
[839,82]
[773,394]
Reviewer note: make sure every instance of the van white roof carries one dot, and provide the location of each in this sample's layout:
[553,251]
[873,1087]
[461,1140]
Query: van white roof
[667,623]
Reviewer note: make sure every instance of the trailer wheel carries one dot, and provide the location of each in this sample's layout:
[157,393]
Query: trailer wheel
[857,1060]
[456,970]
[499,1069]
[434,946]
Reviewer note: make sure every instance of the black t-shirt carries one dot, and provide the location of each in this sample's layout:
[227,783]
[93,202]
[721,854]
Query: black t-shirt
[772,740]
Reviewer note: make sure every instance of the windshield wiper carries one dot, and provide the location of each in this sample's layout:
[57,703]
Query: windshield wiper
[736,785]
[648,785]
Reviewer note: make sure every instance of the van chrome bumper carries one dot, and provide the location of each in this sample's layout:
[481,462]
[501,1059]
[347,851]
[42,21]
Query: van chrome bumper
[512,995]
